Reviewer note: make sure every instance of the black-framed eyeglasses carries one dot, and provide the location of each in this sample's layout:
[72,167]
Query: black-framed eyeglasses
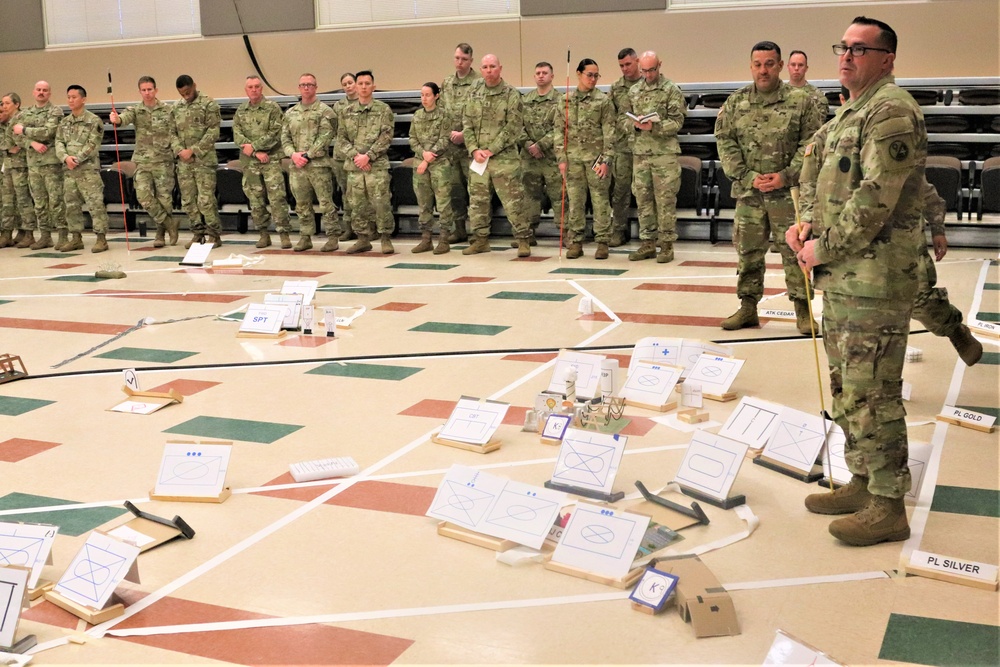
[591,75]
[857,50]
[649,71]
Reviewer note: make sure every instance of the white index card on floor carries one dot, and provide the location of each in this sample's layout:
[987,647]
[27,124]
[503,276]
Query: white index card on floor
[752,421]
[711,464]
[192,470]
[474,421]
[28,545]
[92,576]
[197,254]
[600,539]
[787,650]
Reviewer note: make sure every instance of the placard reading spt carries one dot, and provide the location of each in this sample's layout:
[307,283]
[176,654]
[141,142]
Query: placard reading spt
[261,319]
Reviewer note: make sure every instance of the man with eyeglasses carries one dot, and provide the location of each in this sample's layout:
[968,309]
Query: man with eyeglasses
[862,179]
[798,65]
[761,133]
[621,193]
[538,160]
[656,172]
[305,139]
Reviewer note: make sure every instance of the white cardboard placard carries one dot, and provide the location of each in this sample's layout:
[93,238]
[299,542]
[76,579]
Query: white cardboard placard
[96,570]
[261,319]
[715,374]
[711,464]
[474,421]
[798,439]
[588,459]
[652,384]
[602,540]
[752,421]
[676,351]
[192,470]
[27,545]
[197,254]
[13,586]
[588,373]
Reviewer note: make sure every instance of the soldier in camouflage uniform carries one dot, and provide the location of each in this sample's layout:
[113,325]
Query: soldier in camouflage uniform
[861,199]
[257,131]
[538,162]
[363,140]
[35,133]
[9,218]
[621,195]
[15,174]
[798,65]
[430,139]
[656,172]
[586,160]
[153,158]
[196,129]
[339,107]
[78,144]
[761,132]
[305,138]
[454,94]
[492,125]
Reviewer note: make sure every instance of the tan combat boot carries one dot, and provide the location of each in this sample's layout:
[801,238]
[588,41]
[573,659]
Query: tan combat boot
[363,244]
[849,498]
[882,520]
[100,245]
[28,240]
[968,348]
[442,246]
[74,243]
[161,235]
[666,253]
[347,234]
[524,248]
[215,238]
[5,239]
[265,239]
[305,243]
[387,248]
[425,245]
[617,240]
[803,321]
[459,235]
[602,251]
[286,240]
[532,241]
[746,316]
[61,241]
[478,245]
[647,250]
[195,238]
[173,230]
[17,238]
[575,250]
[332,243]
[44,241]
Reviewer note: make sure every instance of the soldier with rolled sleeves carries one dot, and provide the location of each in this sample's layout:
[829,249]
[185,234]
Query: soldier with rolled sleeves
[430,139]
[492,125]
[35,133]
[363,140]
[586,160]
[761,133]
[9,218]
[861,203]
[339,107]
[15,173]
[196,129]
[305,139]
[454,93]
[78,145]
[257,131]
[621,194]
[656,171]
[798,65]
[538,162]
[153,158]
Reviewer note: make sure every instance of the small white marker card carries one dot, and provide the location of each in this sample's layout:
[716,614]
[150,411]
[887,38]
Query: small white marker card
[13,586]
[970,418]
[131,379]
[654,588]
[601,540]
[261,319]
[555,425]
[589,460]
[101,564]
[651,384]
[474,421]
[27,545]
[291,304]
[988,328]
[307,288]
[787,650]
[192,470]
[752,421]
[197,254]
[711,464]
[588,373]
[956,570]
[715,374]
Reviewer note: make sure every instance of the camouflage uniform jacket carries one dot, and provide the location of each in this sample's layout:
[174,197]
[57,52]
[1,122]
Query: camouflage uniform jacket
[196,126]
[455,93]
[366,129]
[40,124]
[493,121]
[308,129]
[592,129]
[619,97]
[154,129]
[666,99]
[16,160]
[431,131]
[339,107]
[862,191]
[764,133]
[819,99]
[80,137]
[260,126]
[540,116]
[935,209]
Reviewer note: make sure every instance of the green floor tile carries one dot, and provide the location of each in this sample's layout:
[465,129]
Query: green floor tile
[532,296]
[988,317]
[963,500]
[458,328]
[2,301]
[52,255]
[931,641]
[429,267]
[353,289]
[13,405]
[79,279]
[590,272]
[992,358]
[991,286]
[146,354]
[163,258]
[70,522]
[234,429]
[369,371]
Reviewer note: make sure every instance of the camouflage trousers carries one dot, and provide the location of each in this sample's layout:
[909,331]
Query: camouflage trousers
[9,218]
[435,185]
[46,184]
[932,307]
[460,189]
[263,184]
[759,218]
[16,179]
[371,202]
[621,196]
[154,188]
[865,342]
[504,176]
[541,176]
[85,185]
[197,185]
[341,177]
[309,182]
[656,179]
[580,179]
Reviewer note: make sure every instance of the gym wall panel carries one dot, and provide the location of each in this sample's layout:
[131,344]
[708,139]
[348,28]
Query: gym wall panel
[22,27]
[550,7]
[234,17]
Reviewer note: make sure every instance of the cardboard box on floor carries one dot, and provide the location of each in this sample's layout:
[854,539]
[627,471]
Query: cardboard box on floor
[701,599]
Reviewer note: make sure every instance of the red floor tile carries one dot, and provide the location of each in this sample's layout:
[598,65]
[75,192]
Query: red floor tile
[49,614]
[720,265]
[533,258]
[58,325]
[372,495]
[400,306]
[196,298]
[430,407]
[306,340]
[709,289]
[540,357]
[472,279]
[18,449]
[645,318]
[186,387]
[261,272]
[64,266]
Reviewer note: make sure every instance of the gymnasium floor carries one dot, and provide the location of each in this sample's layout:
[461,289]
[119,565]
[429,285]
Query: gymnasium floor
[353,572]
